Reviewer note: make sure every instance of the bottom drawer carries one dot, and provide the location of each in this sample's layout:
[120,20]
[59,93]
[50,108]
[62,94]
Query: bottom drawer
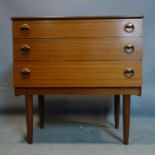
[78,74]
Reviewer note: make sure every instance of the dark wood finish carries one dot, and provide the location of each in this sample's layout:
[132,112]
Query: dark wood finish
[126,118]
[41,110]
[29,118]
[117,110]
[78,17]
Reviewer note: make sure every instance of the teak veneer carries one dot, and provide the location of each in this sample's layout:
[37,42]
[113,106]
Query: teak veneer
[99,55]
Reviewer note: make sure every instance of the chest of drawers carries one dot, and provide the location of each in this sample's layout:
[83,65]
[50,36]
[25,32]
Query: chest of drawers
[77,55]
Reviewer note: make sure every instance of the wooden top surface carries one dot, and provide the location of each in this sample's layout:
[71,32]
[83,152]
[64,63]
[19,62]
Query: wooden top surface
[77,17]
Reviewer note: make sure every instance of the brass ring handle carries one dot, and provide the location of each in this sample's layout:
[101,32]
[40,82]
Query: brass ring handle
[129,27]
[128,72]
[25,49]
[25,28]
[25,73]
[129,48]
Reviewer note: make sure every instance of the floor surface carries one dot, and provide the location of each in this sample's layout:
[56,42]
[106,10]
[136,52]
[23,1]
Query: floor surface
[76,135]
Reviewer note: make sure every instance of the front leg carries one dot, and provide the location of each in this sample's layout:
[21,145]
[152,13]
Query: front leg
[29,118]
[126,118]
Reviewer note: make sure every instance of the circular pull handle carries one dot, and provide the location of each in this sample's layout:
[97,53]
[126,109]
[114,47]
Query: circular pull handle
[128,72]
[129,48]
[25,28]
[25,49]
[129,27]
[25,73]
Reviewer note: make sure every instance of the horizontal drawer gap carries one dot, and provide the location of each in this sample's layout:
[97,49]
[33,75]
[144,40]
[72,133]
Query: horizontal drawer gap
[62,60]
[79,37]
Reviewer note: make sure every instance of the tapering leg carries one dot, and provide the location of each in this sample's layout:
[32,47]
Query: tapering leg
[126,118]
[117,110]
[29,118]
[41,110]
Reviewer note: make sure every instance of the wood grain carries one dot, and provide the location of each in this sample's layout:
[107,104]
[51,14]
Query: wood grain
[78,74]
[77,28]
[80,56]
[78,49]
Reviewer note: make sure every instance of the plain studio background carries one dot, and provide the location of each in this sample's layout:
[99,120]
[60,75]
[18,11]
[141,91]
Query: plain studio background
[65,135]
[140,105]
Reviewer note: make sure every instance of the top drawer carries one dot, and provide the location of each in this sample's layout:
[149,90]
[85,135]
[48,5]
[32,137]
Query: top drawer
[77,28]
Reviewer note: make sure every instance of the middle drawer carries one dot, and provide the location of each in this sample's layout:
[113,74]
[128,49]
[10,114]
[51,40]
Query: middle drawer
[72,49]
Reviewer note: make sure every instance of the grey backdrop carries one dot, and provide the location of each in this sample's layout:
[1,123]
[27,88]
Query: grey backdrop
[141,106]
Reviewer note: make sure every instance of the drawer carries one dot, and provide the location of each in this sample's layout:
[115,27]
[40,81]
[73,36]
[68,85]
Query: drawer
[78,74]
[77,28]
[129,48]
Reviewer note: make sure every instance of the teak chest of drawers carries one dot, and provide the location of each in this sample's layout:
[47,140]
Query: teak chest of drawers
[77,55]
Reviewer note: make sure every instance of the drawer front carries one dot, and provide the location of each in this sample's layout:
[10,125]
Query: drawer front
[78,74]
[77,28]
[78,49]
